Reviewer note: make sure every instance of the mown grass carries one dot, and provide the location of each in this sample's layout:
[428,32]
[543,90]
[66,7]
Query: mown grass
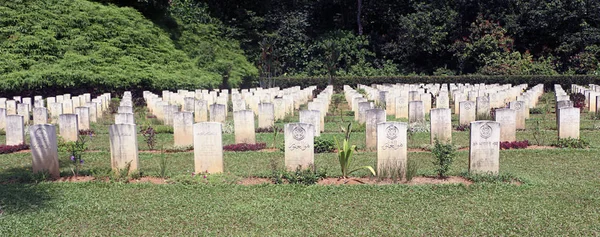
[560,196]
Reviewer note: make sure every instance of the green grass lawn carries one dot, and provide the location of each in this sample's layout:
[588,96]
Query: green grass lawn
[560,194]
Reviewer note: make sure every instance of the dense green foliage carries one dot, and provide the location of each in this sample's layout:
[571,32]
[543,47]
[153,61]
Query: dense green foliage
[548,81]
[432,37]
[84,46]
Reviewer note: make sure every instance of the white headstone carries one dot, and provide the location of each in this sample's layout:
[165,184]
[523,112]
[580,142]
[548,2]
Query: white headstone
[568,122]
[68,127]
[244,126]
[208,147]
[44,149]
[183,134]
[15,133]
[40,115]
[508,124]
[123,147]
[373,117]
[299,146]
[391,147]
[441,125]
[484,150]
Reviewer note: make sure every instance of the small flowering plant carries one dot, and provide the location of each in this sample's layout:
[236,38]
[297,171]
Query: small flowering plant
[76,150]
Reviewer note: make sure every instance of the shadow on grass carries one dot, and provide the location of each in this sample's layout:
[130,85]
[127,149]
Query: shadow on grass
[18,197]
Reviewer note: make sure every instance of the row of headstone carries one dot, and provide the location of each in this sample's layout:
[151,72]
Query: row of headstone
[70,123]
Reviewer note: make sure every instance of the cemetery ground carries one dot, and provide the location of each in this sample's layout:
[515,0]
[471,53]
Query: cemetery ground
[558,191]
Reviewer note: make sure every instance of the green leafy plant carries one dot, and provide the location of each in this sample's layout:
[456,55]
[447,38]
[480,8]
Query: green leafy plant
[444,155]
[121,175]
[411,169]
[76,149]
[571,143]
[538,132]
[345,151]
[163,164]
[323,145]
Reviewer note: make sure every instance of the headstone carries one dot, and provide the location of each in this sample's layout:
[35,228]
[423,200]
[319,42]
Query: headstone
[442,101]
[93,111]
[217,113]
[123,147]
[238,104]
[568,122]
[391,148]
[124,118]
[15,133]
[183,134]
[55,111]
[373,117]
[200,111]
[426,98]
[44,149]
[266,115]
[11,107]
[189,104]
[169,112]
[520,108]
[483,107]
[125,109]
[312,117]
[67,106]
[508,124]
[467,112]
[441,125]
[3,119]
[279,108]
[299,146]
[401,107]
[40,115]
[416,112]
[68,127]
[362,111]
[23,110]
[83,117]
[244,126]
[484,149]
[208,147]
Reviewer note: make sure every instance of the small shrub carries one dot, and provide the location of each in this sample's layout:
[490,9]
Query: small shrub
[86,132]
[514,145]
[2,132]
[536,110]
[6,149]
[149,136]
[245,147]
[179,149]
[163,129]
[323,145]
[306,176]
[444,155]
[269,129]
[578,100]
[571,143]
[463,127]
[77,148]
[228,127]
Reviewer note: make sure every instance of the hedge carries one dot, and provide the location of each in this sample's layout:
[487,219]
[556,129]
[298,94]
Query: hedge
[338,82]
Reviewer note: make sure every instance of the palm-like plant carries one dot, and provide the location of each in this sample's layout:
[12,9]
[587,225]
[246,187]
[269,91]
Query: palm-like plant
[345,155]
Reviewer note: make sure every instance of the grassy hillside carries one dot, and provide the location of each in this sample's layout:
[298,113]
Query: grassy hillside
[79,44]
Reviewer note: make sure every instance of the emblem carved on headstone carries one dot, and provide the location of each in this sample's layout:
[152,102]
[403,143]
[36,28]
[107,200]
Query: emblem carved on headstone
[485,131]
[299,133]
